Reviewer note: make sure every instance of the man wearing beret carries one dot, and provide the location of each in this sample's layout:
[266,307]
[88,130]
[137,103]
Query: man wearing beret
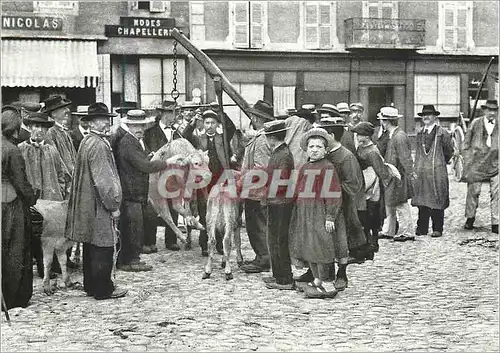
[374,173]
[480,153]
[134,168]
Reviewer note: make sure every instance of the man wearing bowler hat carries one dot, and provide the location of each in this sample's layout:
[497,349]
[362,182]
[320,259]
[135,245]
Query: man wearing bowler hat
[134,168]
[94,205]
[480,152]
[278,206]
[81,128]
[434,150]
[58,108]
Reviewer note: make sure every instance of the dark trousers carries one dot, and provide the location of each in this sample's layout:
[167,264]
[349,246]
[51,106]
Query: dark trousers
[371,218]
[170,237]
[437,216]
[131,231]
[278,216]
[202,211]
[256,224]
[97,268]
[150,223]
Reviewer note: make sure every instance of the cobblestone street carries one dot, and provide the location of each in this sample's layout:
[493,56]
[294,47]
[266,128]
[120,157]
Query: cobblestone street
[433,294]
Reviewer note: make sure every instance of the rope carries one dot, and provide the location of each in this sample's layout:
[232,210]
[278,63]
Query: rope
[116,248]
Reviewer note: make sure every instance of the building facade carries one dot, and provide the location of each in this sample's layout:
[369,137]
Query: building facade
[379,53]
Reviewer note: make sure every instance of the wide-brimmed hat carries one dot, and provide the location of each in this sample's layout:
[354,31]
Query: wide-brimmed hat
[39,118]
[388,113]
[428,109]
[97,110]
[308,106]
[332,122]
[55,102]
[167,105]
[275,126]
[490,104]
[343,107]
[137,117]
[364,128]
[27,106]
[263,109]
[306,114]
[125,107]
[317,132]
[81,110]
[330,109]
[357,106]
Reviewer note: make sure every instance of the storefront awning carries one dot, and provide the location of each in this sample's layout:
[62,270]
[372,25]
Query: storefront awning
[49,63]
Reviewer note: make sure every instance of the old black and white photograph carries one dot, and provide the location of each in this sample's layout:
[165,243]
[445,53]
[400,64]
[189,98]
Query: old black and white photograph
[234,176]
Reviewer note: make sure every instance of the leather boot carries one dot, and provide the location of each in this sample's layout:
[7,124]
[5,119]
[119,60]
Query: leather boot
[469,223]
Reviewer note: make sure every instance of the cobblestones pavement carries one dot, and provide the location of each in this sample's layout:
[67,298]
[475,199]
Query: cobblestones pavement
[434,294]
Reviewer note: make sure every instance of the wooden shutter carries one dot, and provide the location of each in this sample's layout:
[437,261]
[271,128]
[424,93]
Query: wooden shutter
[325,26]
[449,28]
[283,98]
[257,22]
[311,25]
[197,20]
[241,24]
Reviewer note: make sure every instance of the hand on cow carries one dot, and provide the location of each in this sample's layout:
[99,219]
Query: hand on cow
[330,226]
[115,214]
[234,159]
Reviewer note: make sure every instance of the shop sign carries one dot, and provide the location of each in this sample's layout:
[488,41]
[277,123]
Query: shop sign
[32,23]
[141,27]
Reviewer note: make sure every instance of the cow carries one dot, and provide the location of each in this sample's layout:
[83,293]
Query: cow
[179,154]
[224,210]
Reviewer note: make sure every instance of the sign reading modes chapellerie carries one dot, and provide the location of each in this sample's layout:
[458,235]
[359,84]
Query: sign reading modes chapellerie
[134,27]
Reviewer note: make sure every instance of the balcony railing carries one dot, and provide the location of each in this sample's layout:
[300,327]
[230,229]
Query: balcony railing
[381,33]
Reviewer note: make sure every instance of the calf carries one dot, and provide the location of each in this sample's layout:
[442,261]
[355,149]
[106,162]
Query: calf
[54,215]
[224,215]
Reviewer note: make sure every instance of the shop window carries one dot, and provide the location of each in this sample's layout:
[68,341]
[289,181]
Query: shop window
[380,9]
[56,7]
[151,6]
[455,25]
[248,24]
[124,73]
[320,24]
[283,98]
[197,20]
[443,91]
[251,92]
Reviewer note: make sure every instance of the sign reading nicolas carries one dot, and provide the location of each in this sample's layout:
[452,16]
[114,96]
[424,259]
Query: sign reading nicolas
[32,23]
[141,27]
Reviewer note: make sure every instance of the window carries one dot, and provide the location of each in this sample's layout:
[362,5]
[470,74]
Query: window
[283,98]
[151,6]
[380,9]
[248,24]
[156,81]
[251,92]
[319,25]
[56,7]
[455,25]
[197,20]
[441,90]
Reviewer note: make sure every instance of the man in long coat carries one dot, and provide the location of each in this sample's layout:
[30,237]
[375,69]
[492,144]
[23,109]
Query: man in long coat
[58,135]
[94,206]
[431,192]
[17,197]
[398,192]
[480,154]
[134,168]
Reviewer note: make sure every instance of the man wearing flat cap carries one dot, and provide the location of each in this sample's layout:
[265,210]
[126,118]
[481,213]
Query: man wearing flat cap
[434,150]
[480,152]
[134,168]
[94,205]
[58,108]
[374,172]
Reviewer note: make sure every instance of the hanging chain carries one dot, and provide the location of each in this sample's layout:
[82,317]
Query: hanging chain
[175,93]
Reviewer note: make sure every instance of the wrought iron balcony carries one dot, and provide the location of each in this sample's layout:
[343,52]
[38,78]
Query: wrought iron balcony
[381,33]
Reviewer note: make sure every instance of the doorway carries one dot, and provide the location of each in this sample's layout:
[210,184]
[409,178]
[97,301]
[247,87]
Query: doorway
[378,97]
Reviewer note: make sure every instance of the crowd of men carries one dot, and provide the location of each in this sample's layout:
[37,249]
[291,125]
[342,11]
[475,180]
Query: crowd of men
[103,172]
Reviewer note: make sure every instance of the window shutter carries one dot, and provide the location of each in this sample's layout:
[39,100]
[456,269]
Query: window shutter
[449,29]
[241,24]
[157,6]
[283,98]
[257,25]
[325,26]
[197,20]
[311,24]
